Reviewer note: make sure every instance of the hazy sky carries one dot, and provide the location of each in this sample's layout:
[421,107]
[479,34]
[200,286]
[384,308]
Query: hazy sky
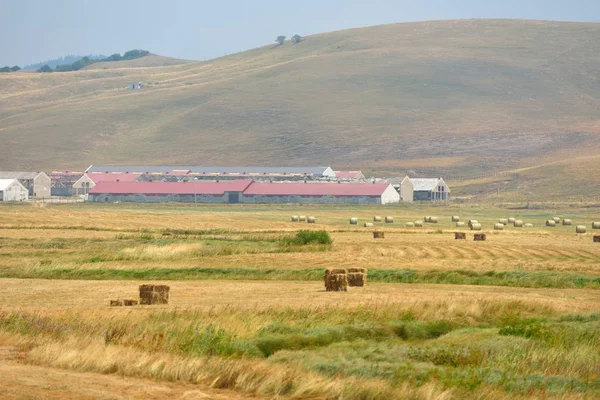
[37,30]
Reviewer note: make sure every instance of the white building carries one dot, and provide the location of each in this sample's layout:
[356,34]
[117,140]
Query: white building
[430,189]
[12,190]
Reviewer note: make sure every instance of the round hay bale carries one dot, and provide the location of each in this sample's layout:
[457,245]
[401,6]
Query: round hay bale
[476,227]
[302,218]
[528,225]
[518,223]
[389,220]
[460,224]
[368,225]
[353,221]
[511,220]
[294,218]
[433,220]
[566,222]
[503,221]
[311,220]
[551,223]
[498,227]
[556,219]
[455,218]
[472,222]
[377,218]
[418,224]
[595,225]
[410,225]
[426,218]
[580,229]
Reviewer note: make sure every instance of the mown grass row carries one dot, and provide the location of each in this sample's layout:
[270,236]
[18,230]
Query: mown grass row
[529,279]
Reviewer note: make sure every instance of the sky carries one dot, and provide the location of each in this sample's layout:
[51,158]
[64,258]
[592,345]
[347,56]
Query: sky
[38,30]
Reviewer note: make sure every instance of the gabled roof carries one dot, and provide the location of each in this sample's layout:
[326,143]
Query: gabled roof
[112,177]
[316,189]
[424,184]
[5,183]
[18,174]
[211,188]
[348,174]
[209,170]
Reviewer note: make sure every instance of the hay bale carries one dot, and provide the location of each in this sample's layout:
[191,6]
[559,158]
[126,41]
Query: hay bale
[460,224]
[503,221]
[556,220]
[378,235]
[551,223]
[426,218]
[498,227]
[311,220]
[460,236]
[566,222]
[418,224]
[455,218]
[433,220]
[479,237]
[356,270]
[596,238]
[518,223]
[528,225]
[476,227]
[595,225]
[410,225]
[336,280]
[294,218]
[511,220]
[302,218]
[130,302]
[116,303]
[154,294]
[334,271]
[368,224]
[580,229]
[353,221]
[389,220]
[357,279]
[472,222]
[377,218]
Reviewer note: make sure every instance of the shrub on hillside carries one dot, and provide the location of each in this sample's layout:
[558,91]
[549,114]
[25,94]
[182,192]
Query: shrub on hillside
[306,237]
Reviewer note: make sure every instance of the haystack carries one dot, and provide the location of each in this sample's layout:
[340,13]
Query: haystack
[418,224]
[130,302]
[460,236]
[596,238]
[357,277]
[311,220]
[302,218]
[389,220]
[154,294]
[368,225]
[511,220]
[476,227]
[518,223]
[433,220]
[294,218]
[426,218]
[460,224]
[551,223]
[410,224]
[528,225]
[353,221]
[455,218]
[580,229]
[595,225]
[503,221]
[377,218]
[556,220]
[479,237]
[336,280]
[378,235]
[566,222]
[472,221]
[116,303]
[498,227]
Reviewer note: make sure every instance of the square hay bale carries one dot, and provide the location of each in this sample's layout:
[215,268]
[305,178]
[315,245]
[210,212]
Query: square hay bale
[130,302]
[335,280]
[460,236]
[154,294]
[479,237]
[357,280]
[596,238]
[116,303]
[378,235]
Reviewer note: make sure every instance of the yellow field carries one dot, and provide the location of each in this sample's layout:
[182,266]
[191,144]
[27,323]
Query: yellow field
[515,316]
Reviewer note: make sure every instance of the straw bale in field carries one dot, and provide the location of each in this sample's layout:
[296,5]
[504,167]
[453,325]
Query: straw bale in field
[595,225]
[311,220]
[336,280]
[551,223]
[426,218]
[556,219]
[353,221]
[302,218]
[368,225]
[130,302]
[294,218]
[596,238]
[518,223]
[333,271]
[511,220]
[528,225]
[566,222]
[377,218]
[116,303]
[455,218]
[503,221]
[378,235]
[479,237]
[154,294]
[433,220]
[410,225]
[460,224]
[580,229]
[357,279]
[389,220]
[460,236]
[476,227]
[472,221]
[498,227]
[356,270]
[418,224]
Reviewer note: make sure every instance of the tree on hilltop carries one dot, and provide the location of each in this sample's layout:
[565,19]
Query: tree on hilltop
[280,40]
[45,68]
[15,68]
[297,39]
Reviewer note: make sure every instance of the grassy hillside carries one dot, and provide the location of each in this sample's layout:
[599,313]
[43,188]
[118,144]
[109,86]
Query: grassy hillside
[446,97]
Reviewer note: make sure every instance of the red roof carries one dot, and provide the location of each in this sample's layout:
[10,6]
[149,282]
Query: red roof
[112,177]
[212,188]
[347,174]
[316,189]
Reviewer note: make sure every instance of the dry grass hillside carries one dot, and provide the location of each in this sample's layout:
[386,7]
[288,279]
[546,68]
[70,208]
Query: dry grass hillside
[454,97]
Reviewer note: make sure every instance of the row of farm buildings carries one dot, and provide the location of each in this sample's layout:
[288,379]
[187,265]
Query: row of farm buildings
[196,184]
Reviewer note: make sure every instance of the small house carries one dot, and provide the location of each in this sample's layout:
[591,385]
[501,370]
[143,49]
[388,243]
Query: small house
[430,189]
[12,190]
[37,183]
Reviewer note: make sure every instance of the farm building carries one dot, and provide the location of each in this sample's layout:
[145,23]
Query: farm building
[320,193]
[406,190]
[62,182]
[88,180]
[430,189]
[12,190]
[213,172]
[162,192]
[37,183]
[349,175]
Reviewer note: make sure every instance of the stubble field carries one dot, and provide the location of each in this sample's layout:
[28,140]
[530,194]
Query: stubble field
[516,316]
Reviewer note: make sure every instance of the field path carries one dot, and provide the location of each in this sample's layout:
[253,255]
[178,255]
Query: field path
[24,381]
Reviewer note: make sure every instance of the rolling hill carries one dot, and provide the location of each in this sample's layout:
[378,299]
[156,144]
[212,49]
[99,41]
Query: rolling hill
[443,97]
